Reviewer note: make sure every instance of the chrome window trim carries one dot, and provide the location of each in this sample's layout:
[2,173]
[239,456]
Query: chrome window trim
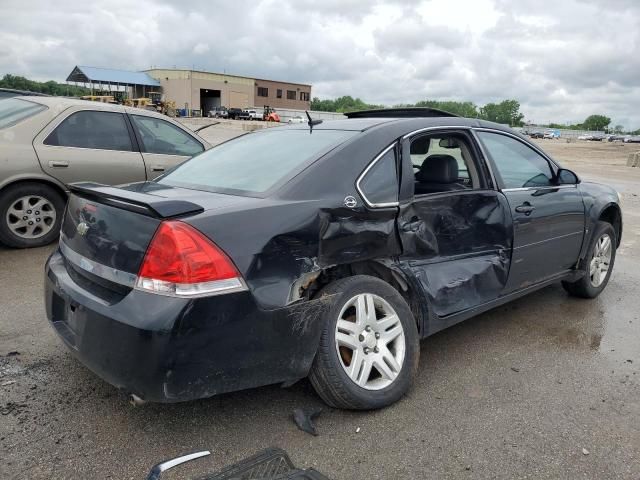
[543,187]
[98,269]
[364,173]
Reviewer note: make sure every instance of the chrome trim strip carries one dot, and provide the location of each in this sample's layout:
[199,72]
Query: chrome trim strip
[108,273]
[364,173]
[546,187]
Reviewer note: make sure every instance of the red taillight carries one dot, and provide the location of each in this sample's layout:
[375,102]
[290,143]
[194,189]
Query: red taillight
[182,261]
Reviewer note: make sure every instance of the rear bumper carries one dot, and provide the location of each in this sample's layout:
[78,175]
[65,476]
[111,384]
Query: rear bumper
[166,349]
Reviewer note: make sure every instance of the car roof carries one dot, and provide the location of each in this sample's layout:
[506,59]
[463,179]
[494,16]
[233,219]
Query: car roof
[411,123]
[66,102]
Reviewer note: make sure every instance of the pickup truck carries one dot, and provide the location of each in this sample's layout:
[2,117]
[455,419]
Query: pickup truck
[250,114]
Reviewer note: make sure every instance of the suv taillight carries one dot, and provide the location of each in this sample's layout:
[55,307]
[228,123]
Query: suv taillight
[181,261]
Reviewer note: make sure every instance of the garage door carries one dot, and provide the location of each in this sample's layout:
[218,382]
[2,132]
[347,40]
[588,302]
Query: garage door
[238,100]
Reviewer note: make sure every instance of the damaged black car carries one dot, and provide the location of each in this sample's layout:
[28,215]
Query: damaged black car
[325,251]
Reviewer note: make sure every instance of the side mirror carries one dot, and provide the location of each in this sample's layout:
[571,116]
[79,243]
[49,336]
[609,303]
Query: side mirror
[567,177]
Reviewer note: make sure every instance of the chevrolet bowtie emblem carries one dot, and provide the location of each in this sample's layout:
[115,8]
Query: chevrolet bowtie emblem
[82,228]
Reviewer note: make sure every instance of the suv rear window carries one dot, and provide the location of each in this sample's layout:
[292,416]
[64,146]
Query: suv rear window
[13,110]
[255,162]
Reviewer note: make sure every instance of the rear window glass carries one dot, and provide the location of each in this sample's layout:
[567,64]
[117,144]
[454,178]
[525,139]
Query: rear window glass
[255,162]
[13,110]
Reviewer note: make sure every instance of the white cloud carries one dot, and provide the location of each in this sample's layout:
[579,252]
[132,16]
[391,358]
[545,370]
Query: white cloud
[561,60]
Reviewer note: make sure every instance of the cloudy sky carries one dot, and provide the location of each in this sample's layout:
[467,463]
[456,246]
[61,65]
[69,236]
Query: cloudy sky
[562,59]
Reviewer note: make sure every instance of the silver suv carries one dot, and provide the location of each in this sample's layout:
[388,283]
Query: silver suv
[48,142]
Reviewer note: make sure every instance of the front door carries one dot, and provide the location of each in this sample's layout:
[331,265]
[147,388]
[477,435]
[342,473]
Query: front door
[456,232]
[548,217]
[90,145]
[163,144]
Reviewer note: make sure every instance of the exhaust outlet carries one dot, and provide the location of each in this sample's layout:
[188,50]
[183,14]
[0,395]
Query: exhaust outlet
[136,401]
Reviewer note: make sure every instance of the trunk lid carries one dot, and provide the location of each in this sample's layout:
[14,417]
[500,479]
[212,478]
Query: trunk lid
[106,230]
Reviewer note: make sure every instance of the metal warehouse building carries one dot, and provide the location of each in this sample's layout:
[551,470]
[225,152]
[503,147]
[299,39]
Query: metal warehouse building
[198,90]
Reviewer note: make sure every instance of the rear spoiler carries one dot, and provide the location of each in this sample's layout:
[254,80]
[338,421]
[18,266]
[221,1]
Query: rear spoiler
[135,201]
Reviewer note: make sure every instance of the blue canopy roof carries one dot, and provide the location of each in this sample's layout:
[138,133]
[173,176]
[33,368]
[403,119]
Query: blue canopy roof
[106,75]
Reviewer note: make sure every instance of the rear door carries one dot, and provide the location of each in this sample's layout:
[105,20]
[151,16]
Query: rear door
[454,226]
[90,145]
[163,144]
[548,218]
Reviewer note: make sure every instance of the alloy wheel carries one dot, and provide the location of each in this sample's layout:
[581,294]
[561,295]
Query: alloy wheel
[370,341]
[31,216]
[599,266]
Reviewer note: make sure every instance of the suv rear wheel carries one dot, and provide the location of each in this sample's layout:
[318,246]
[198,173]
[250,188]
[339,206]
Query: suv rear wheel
[30,215]
[369,347]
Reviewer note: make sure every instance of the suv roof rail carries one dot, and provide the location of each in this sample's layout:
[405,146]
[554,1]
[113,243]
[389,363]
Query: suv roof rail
[402,112]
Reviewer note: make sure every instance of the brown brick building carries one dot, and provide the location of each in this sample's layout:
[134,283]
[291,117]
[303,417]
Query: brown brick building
[203,91]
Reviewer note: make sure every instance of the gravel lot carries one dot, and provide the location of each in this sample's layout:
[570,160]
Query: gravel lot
[545,387]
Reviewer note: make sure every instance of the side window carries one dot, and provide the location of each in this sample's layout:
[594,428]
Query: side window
[91,129]
[442,163]
[519,165]
[161,137]
[379,185]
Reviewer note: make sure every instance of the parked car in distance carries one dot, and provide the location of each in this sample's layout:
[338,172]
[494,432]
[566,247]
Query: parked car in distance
[329,259]
[49,142]
[536,135]
[296,119]
[551,134]
[597,137]
[585,136]
[632,139]
[218,112]
[250,114]
[234,113]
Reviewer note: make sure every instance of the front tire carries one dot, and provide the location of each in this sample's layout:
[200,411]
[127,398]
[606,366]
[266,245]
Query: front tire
[30,215]
[369,347]
[598,264]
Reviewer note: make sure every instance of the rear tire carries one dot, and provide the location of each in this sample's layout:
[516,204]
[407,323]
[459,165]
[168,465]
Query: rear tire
[598,264]
[367,358]
[30,215]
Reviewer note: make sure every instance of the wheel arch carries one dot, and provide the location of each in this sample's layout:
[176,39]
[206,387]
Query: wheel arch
[384,269]
[43,180]
[612,214]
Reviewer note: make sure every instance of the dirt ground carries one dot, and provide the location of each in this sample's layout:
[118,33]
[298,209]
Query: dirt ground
[547,387]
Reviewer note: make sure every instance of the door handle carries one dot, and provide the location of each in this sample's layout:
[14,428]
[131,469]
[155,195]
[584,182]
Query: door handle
[158,168]
[525,208]
[58,164]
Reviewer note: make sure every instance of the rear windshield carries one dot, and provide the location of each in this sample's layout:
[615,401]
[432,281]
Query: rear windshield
[13,110]
[256,162]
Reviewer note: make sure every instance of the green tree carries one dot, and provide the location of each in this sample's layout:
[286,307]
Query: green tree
[618,129]
[50,87]
[464,109]
[341,104]
[596,122]
[506,112]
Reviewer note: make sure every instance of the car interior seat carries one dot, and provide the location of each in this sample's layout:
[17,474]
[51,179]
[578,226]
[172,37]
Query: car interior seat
[438,173]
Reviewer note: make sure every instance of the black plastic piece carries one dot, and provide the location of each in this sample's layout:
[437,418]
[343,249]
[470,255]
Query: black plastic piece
[401,113]
[270,464]
[142,203]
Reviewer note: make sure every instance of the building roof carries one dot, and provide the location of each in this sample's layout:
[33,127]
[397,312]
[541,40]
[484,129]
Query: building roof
[227,75]
[85,74]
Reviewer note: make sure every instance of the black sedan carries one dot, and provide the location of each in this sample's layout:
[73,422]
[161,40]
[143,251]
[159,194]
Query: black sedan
[326,250]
